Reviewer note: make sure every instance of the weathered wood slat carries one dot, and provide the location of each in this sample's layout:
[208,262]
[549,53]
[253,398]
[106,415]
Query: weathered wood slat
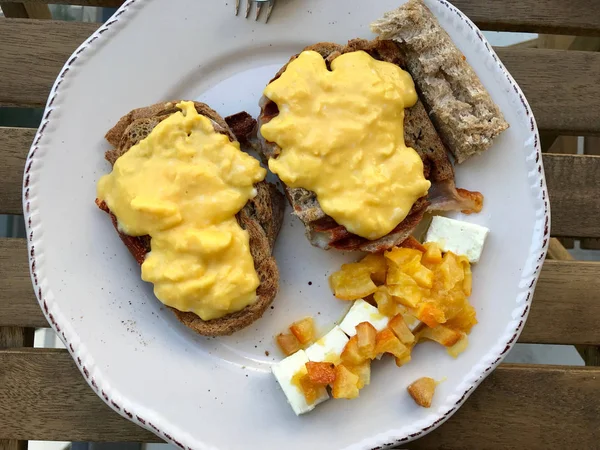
[578,17]
[549,17]
[15,337]
[589,353]
[563,145]
[591,146]
[24,43]
[13,10]
[18,305]
[573,189]
[565,309]
[522,407]
[26,10]
[33,52]
[566,292]
[6,444]
[43,396]
[571,182]
[557,251]
[579,82]
[14,146]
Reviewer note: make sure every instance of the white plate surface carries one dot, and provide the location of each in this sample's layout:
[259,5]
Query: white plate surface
[218,393]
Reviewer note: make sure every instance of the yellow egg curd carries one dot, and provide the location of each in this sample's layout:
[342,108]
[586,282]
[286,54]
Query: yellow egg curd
[341,132]
[183,186]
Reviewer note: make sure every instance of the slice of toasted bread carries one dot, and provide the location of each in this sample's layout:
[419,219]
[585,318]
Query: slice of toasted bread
[465,115]
[261,216]
[419,133]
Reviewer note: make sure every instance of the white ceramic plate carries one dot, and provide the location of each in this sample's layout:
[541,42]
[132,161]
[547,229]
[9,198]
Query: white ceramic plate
[218,393]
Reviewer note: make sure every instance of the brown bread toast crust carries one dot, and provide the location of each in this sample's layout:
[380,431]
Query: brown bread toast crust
[419,133]
[461,108]
[262,216]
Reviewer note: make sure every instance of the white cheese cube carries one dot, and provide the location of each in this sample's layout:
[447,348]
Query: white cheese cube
[411,321]
[362,311]
[458,237]
[285,371]
[329,347]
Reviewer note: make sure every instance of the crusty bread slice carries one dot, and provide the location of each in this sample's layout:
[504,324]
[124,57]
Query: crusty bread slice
[419,133]
[462,110]
[261,217]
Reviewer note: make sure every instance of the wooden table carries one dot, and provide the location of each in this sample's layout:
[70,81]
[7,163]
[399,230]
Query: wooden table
[43,396]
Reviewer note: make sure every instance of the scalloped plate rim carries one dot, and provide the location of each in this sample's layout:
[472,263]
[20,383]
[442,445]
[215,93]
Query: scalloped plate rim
[151,420]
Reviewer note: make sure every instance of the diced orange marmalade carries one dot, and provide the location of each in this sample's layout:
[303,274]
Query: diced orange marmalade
[448,297]
[407,282]
[313,378]
[417,280]
[301,335]
[310,390]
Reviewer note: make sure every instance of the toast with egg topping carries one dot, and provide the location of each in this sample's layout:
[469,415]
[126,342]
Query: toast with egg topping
[261,217]
[419,133]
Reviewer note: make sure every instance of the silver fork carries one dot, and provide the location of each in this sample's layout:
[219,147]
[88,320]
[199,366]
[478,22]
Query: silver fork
[259,7]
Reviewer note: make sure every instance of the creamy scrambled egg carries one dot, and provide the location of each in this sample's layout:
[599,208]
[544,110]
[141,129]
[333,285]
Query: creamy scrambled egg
[183,186]
[342,136]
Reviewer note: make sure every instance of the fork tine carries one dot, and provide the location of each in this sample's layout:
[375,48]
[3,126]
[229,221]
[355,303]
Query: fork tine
[259,6]
[270,9]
